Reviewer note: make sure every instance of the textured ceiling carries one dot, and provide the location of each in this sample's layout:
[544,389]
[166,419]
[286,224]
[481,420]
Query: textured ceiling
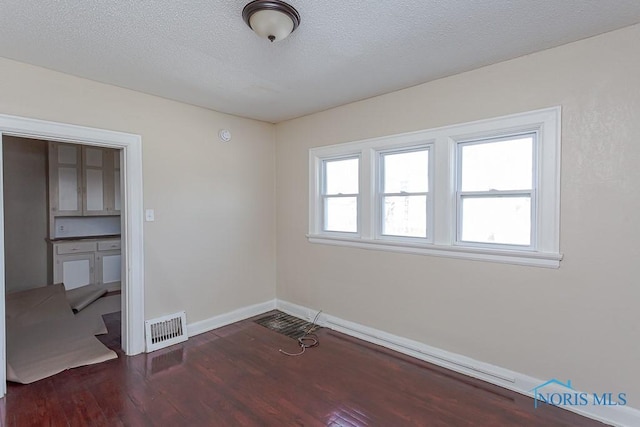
[201,52]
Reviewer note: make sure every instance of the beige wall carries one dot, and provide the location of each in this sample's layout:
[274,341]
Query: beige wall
[212,247]
[25,213]
[579,322]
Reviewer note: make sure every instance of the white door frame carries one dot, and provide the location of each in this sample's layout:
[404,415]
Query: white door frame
[132,220]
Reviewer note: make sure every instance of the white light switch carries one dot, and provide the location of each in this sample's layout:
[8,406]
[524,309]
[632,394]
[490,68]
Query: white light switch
[149,215]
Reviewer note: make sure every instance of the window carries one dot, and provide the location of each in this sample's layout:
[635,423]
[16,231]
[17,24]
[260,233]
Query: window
[486,190]
[404,193]
[495,191]
[340,195]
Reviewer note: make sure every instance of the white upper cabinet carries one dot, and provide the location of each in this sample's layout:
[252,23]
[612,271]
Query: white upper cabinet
[83,180]
[94,182]
[65,190]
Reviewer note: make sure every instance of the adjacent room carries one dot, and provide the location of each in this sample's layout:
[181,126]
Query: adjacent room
[320,213]
[62,241]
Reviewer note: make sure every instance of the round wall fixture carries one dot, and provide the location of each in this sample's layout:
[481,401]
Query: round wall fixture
[271,19]
[224,135]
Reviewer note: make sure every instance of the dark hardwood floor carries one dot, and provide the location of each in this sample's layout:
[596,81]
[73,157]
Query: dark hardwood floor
[235,376]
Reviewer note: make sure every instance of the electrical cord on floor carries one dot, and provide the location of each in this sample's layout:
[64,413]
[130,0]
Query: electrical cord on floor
[308,340]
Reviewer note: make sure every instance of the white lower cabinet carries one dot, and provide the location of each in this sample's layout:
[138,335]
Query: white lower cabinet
[74,270]
[108,269]
[83,262]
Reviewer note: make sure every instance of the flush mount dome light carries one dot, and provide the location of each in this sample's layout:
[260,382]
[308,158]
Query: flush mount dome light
[273,20]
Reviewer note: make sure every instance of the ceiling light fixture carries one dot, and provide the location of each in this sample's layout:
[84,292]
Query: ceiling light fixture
[273,20]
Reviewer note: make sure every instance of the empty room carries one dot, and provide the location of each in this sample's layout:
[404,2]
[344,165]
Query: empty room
[408,213]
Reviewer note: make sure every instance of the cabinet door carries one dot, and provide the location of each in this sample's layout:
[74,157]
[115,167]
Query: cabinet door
[94,200]
[101,180]
[109,268]
[74,270]
[65,195]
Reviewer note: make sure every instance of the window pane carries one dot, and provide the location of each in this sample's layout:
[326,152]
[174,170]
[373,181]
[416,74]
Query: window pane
[408,172]
[501,220]
[341,176]
[405,216]
[341,214]
[500,165]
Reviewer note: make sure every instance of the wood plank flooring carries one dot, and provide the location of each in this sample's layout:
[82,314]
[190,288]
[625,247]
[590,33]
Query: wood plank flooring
[235,376]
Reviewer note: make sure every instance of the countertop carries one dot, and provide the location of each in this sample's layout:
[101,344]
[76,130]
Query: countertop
[82,238]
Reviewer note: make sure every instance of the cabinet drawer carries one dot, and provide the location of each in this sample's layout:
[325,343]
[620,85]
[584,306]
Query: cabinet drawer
[109,245]
[75,247]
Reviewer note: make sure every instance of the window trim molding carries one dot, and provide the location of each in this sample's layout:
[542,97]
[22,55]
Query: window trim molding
[534,259]
[443,145]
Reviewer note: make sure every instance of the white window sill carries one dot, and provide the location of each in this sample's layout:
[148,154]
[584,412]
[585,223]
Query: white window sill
[535,259]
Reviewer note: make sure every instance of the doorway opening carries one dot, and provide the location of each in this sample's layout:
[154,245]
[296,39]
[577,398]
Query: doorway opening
[130,149]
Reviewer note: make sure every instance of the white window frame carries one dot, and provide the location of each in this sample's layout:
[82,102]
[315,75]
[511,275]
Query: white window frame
[380,194]
[324,196]
[498,193]
[443,145]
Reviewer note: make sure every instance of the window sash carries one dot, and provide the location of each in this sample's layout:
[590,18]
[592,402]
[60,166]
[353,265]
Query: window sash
[323,190]
[381,195]
[382,232]
[325,225]
[529,192]
[501,137]
[324,196]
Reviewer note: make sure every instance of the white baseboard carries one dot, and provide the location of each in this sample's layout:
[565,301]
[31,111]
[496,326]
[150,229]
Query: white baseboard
[230,317]
[515,381]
